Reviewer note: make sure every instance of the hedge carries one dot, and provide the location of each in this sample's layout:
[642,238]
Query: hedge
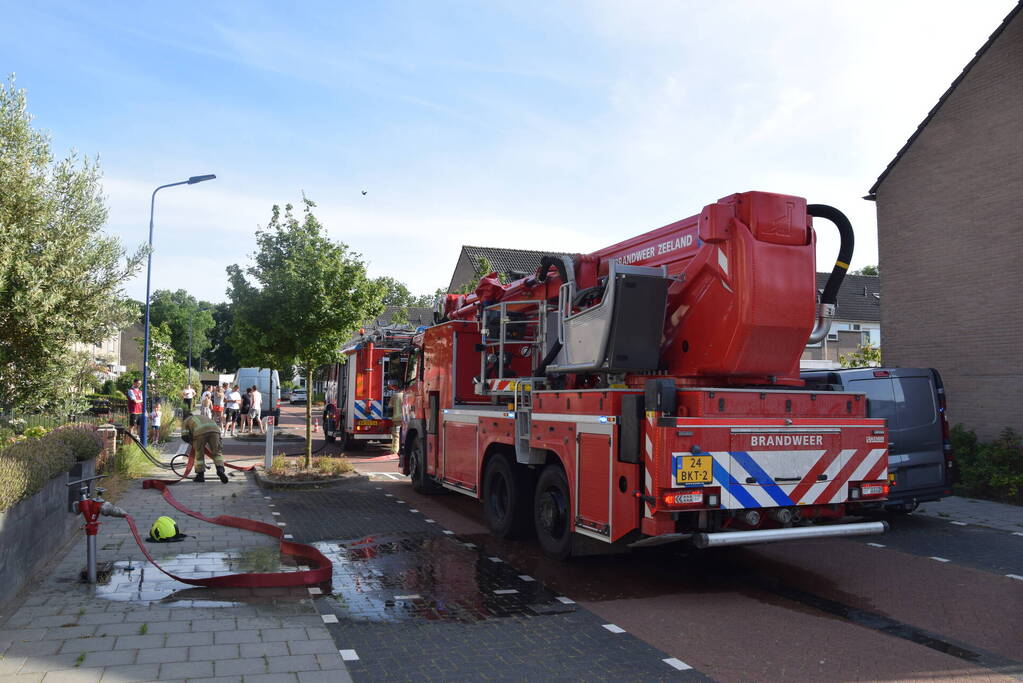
[84,440]
[992,470]
[26,466]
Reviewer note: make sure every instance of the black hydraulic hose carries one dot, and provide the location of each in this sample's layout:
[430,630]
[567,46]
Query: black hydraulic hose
[547,360]
[845,249]
[545,265]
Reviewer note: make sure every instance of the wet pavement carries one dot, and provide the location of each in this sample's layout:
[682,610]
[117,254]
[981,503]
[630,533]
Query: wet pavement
[415,601]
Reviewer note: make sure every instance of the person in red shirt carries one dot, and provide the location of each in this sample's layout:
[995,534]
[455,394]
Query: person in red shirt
[135,407]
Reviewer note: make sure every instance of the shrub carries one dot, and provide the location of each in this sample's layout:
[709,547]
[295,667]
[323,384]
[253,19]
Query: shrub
[279,465]
[27,465]
[991,470]
[131,462]
[7,436]
[332,466]
[83,440]
[34,432]
[168,422]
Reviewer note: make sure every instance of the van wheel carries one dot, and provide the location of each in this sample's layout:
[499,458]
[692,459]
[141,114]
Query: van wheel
[552,513]
[421,481]
[506,499]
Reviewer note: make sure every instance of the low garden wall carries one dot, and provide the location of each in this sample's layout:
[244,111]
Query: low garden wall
[35,520]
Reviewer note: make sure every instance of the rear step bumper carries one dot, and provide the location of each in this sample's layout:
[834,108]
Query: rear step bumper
[724,538]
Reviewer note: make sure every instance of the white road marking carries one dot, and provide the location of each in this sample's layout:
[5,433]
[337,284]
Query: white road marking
[414,596]
[449,533]
[614,629]
[876,545]
[389,495]
[1017,533]
[506,591]
[400,502]
[958,523]
[1015,576]
[393,476]
[413,510]
[676,663]
[566,601]
[329,618]
[282,524]
[276,514]
[315,591]
[430,521]
[288,536]
[940,559]
[349,655]
[526,577]
[266,498]
[495,559]
[470,545]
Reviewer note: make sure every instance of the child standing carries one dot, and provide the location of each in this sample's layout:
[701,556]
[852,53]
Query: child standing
[154,422]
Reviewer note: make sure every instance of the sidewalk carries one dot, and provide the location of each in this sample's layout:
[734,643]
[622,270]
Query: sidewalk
[974,511]
[142,625]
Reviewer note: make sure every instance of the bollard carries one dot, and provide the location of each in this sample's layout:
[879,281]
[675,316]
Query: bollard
[269,455]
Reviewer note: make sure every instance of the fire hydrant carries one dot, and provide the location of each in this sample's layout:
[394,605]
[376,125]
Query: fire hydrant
[91,509]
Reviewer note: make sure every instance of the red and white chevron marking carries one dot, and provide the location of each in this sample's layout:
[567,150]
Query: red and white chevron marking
[648,465]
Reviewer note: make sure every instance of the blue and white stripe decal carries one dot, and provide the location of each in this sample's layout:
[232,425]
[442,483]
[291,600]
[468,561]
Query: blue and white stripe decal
[731,470]
[360,411]
[376,409]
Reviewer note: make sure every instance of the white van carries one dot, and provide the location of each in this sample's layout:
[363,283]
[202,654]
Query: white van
[269,385]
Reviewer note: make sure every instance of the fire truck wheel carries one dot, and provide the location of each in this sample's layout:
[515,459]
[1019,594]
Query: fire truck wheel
[551,514]
[506,499]
[350,444]
[421,481]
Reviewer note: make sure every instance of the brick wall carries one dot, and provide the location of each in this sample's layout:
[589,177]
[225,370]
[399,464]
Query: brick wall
[950,240]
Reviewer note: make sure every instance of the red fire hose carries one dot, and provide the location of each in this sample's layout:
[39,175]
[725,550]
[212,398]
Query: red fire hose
[320,568]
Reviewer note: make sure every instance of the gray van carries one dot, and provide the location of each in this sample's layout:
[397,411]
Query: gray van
[912,400]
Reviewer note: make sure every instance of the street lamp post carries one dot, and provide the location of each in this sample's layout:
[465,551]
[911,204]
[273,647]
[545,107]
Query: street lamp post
[190,319]
[144,425]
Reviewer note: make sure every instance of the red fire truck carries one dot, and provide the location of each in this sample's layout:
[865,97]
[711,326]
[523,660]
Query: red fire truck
[357,408]
[650,392]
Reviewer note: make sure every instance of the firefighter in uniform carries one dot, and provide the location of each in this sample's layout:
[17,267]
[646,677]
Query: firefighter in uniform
[202,432]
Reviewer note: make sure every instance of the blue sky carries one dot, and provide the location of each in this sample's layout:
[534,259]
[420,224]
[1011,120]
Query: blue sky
[560,125]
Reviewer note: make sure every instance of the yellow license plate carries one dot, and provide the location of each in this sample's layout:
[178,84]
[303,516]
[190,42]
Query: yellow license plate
[693,469]
[367,423]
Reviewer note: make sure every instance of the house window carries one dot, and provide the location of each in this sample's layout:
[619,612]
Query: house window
[832,336]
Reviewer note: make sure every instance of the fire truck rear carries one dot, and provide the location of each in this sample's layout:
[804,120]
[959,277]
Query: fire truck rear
[649,392]
[357,408]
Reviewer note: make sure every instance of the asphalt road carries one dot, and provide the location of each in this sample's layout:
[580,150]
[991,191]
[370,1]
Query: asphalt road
[929,599]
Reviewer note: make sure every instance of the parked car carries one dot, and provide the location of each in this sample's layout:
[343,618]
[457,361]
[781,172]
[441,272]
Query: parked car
[299,396]
[912,401]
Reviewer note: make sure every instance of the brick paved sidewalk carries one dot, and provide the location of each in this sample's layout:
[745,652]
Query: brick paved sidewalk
[142,625]
[974,511]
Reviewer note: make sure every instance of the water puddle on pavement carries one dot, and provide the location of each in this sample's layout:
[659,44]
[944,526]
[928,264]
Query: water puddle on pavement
[135,581]
[427,577]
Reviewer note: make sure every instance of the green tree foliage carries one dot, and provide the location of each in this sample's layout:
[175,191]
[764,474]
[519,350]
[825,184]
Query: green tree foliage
[168,376]
[60,276]
[395,292]
[301,300]
[177,310]
[221,354]
[875,271]
[868,356]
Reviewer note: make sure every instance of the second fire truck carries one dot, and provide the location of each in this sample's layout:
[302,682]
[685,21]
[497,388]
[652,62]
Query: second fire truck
[649,392]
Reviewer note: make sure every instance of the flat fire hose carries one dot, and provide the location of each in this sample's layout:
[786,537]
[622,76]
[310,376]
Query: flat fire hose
[320,568]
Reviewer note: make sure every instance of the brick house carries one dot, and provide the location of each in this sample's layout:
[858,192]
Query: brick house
[950,238]
[857,320]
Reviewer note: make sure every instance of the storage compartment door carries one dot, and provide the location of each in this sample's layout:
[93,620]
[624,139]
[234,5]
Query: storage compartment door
[593,483]
[460,453]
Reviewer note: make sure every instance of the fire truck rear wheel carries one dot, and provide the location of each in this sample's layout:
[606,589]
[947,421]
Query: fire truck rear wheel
[506,499]
[350,444]
[551,513]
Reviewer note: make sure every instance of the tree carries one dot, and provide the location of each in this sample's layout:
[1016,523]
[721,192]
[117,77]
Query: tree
[168,377]
[395,292]
[868,270]
[865,356]
[301,300]
[178,310]
[60,276]
[221,354]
